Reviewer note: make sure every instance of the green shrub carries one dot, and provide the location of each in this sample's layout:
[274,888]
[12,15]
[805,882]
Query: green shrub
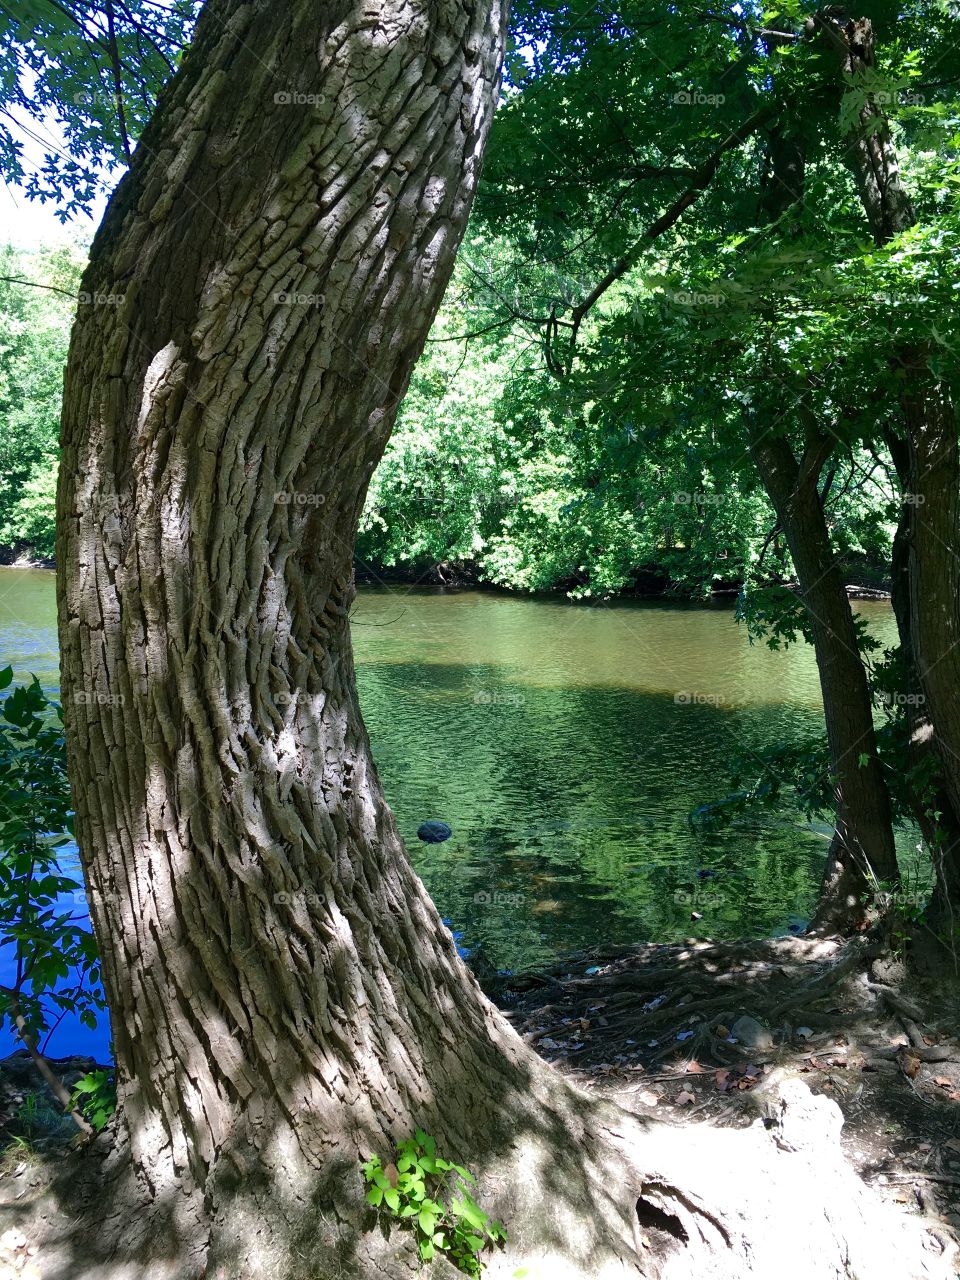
[431,1195]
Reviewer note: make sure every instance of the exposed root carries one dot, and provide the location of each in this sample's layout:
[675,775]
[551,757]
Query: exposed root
[595,1191]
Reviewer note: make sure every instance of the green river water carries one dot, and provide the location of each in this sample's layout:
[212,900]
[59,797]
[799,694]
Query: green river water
[566,746]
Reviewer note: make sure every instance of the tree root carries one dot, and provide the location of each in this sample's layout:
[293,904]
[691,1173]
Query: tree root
[588,1190]
[777,1199]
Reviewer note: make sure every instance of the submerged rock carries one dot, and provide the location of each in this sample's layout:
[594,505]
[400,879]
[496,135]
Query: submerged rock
[434,832]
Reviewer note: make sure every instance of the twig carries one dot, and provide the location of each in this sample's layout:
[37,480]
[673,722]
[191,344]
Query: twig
[57,1087]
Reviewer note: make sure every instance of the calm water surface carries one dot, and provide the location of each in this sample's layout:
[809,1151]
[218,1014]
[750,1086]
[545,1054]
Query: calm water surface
[566,746]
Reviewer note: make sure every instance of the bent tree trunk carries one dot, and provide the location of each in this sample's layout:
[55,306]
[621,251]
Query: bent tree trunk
[862,851]
[931,428]
[284,997]
[933,807]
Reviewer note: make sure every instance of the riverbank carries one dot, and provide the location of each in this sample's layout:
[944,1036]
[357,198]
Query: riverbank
[648,585]
[863,582]
[702,1032]
[652,1029]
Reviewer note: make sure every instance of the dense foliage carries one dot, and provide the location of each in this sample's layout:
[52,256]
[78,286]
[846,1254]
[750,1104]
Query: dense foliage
[43,913]
[78,82]
[37,302]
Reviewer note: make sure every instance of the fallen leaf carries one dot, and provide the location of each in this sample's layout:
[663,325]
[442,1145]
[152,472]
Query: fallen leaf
[391,1173]
[684,1097]
[722,1031]
[648,1098]
[722,1077]
[684,1035]
[943,1081]
[694,1069]
[909,1064]
[804,1032]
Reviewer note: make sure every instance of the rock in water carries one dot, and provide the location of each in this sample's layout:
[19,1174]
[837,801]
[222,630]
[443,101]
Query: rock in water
[434,832]
[751,1033]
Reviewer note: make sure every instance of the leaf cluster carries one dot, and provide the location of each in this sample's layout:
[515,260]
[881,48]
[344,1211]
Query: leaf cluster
[44,928]
[432,1196]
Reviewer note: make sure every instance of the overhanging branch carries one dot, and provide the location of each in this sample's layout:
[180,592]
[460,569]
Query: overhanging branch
[702,177]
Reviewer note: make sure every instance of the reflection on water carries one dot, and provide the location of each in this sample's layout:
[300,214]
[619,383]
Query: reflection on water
[566,746]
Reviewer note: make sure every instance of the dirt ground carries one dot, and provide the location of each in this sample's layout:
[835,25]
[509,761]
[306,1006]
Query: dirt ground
[693,1032]
[655,1028]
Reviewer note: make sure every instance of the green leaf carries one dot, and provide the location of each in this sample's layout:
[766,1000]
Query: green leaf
[374,1196]
[471,1213]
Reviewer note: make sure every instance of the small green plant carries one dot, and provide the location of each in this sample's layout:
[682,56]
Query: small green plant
[432,1196]
[35,1117]
[95,1097]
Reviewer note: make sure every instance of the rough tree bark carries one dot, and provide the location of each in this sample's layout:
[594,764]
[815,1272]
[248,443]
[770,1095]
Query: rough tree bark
[862,850]
[283,994]
[930,427]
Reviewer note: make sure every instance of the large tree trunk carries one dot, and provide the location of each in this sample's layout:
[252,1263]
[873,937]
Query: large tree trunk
[283,994]
[284,997]
[934,582]
[862,851]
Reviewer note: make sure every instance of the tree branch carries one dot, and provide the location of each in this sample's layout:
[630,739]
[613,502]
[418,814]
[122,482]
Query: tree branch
[34,284]
[702,177]
[57,1087]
